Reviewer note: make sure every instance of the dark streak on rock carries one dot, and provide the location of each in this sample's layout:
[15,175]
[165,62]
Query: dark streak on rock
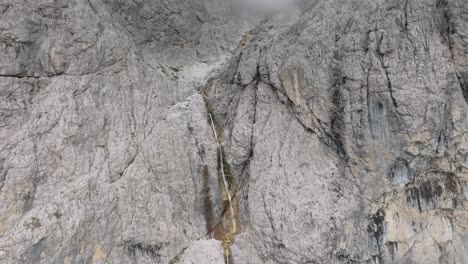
[152,250]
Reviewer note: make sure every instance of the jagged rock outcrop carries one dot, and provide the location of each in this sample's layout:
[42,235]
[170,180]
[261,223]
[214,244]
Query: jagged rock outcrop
[342,124]
[358,142]
[106,152]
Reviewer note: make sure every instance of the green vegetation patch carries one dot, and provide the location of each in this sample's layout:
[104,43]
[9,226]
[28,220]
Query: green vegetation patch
[35,223]
[176,259]
[227,169]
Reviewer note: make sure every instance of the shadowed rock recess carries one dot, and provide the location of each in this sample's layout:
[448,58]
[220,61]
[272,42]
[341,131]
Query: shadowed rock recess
[222,131]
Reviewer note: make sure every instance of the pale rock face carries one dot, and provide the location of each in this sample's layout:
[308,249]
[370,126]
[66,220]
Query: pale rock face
[203,251]
[343,125]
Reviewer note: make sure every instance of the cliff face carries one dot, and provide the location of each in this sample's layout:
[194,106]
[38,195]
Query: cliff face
[339,127]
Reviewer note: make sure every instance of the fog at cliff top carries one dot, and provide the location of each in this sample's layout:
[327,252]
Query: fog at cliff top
[261,6]
[265,4]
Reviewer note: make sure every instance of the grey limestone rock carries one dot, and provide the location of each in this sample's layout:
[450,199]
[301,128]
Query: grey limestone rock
[343,128]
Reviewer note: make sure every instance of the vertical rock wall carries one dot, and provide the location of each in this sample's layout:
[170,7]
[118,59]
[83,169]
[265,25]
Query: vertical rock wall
[343,125]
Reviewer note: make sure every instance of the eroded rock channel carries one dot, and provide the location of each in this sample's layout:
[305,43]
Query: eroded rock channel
[228,132]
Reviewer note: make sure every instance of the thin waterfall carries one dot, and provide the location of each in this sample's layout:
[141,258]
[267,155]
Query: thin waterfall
[226,187]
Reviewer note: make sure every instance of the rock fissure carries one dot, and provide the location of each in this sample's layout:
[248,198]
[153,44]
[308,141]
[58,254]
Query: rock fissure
[328,132]
[228,237]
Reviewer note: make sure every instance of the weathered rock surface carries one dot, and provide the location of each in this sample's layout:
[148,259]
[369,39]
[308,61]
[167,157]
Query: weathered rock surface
[203,251]
[106,152]
[359,140]
[343,125]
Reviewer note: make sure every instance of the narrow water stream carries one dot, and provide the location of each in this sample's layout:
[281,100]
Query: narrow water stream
[228,240]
